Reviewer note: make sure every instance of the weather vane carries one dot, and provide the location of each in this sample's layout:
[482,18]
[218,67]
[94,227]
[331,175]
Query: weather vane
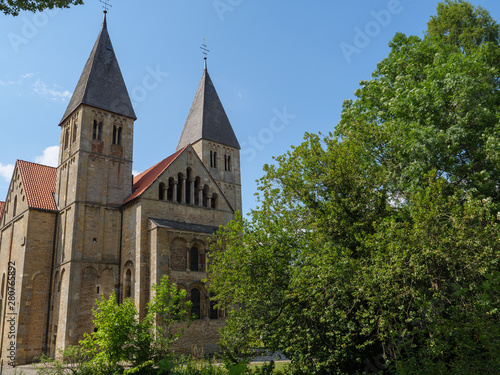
[204,49]
[106,5]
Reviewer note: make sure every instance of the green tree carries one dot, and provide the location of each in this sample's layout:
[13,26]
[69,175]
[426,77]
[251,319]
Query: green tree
[13,7]
[430,106]
[121,338]
[460,24]
[377,247]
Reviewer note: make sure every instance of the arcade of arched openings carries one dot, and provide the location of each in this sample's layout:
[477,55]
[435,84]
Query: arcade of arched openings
[188,189]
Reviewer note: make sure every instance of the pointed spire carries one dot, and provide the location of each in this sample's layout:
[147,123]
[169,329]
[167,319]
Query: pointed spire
[207,118]
[101,84]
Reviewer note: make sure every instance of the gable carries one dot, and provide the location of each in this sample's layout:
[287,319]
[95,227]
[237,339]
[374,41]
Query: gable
[39,182]
[198,187]
[144,180]
[32,187]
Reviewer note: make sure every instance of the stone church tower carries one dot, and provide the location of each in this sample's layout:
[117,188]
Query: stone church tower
[93,180]
[72,234]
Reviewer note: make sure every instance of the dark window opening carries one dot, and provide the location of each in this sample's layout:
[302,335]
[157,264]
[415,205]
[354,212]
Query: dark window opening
[119,140]
[66,138]
[14,208]
[205,196]
[128,284]
[193,258]
[227,163]
[196,304]
[161,191]
[214,201]
[170,190]
[180,182]
[188,185]
[197,183]
[117,135]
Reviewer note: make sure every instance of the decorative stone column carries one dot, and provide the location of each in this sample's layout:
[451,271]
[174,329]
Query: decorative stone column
[183,193]
[174,192]
[191,191]
[200,196]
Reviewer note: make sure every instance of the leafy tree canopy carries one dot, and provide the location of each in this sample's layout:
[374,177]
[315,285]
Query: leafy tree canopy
[13,7]
[377,247]
[459,23]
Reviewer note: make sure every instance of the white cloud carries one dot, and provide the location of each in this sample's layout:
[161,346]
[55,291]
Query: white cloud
[50,156]
[6,171]
[18,82]
[53,92]
[135,173]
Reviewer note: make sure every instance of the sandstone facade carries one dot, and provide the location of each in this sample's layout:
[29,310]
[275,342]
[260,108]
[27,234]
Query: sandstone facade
[73,233]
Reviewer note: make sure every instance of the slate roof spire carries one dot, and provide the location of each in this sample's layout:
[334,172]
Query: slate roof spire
[207,118]
[101,84]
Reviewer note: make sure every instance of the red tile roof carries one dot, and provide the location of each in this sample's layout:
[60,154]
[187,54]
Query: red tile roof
[144,180]
[39,183]
[2,206]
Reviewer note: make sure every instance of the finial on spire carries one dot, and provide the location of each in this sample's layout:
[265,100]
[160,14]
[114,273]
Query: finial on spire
[205,52]
[106,5]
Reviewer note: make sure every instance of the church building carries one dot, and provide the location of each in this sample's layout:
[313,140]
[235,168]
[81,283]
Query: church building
[87,228]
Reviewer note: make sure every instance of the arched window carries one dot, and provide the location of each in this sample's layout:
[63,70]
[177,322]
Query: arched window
[227,163]
[119,140]
[161,191]
[180,183]
[193,259]
[205,196]
[214,201]
[14,208]
[75,128]
[99,131]
[196,303]
[214,312]
[127,290]
[188,185]
[66,137]
[117,135]
[170,191]
[197,183]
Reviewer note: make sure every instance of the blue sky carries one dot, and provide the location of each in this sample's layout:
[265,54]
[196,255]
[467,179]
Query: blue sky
[281,68]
